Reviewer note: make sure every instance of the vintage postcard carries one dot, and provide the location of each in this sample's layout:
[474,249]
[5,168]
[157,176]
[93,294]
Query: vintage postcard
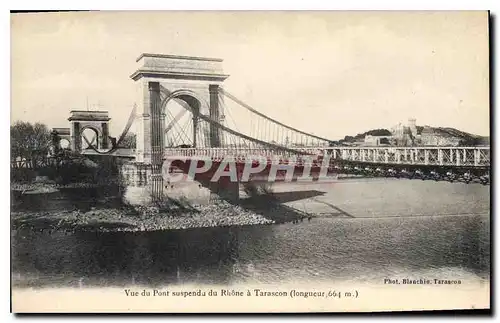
[238,162]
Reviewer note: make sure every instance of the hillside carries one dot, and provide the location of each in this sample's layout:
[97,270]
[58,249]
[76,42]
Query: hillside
[467,139]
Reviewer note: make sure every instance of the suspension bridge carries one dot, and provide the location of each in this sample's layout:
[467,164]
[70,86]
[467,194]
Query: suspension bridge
[186,119]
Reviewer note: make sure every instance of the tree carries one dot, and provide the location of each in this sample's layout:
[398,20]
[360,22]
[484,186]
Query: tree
[30,142]
[384,141]
[378,132]
[129,141]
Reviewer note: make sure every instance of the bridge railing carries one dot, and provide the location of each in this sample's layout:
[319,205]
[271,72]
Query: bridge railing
[439,156]
[226,152]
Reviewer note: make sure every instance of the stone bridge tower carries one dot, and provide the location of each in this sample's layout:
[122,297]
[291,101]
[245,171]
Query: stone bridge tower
[161,78]
[193,82]
[98,121]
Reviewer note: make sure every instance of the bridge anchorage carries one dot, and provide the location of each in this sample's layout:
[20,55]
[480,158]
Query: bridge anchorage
[101,143]
[185,123]
[95,121]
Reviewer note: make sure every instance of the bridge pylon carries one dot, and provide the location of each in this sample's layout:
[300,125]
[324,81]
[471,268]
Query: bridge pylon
[194,83]
[97,121]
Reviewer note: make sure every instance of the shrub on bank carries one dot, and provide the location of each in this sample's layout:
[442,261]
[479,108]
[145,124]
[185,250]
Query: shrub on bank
[68,167]
[22,175]
[76,170]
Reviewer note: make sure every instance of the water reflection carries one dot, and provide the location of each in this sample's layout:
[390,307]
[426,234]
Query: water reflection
[325,249]
[122,258]
[67,199]
[357,248]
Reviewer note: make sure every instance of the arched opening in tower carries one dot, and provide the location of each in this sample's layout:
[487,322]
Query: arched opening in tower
[183,128]
[89,138]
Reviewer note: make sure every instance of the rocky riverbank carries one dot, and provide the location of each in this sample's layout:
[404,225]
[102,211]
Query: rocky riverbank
[219,214]
[44,187]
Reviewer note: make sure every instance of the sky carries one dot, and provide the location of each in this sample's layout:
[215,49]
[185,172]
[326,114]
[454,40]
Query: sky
[328,73]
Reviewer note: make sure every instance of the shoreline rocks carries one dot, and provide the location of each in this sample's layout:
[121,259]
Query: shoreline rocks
[220,214]
[38,186]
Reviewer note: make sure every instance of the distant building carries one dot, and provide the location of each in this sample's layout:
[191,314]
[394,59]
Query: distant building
[377,140]
[401,135]
[405,135]
[412,125]
[413,135]
[398,130]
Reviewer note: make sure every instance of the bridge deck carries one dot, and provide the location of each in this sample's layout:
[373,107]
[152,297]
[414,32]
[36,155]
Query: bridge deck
[428,156]
[120,152]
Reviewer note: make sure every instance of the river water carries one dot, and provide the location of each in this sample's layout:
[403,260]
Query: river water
[367,230]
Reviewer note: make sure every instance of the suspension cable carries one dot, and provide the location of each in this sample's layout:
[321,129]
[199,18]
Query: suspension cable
[238,101]
[125,131]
